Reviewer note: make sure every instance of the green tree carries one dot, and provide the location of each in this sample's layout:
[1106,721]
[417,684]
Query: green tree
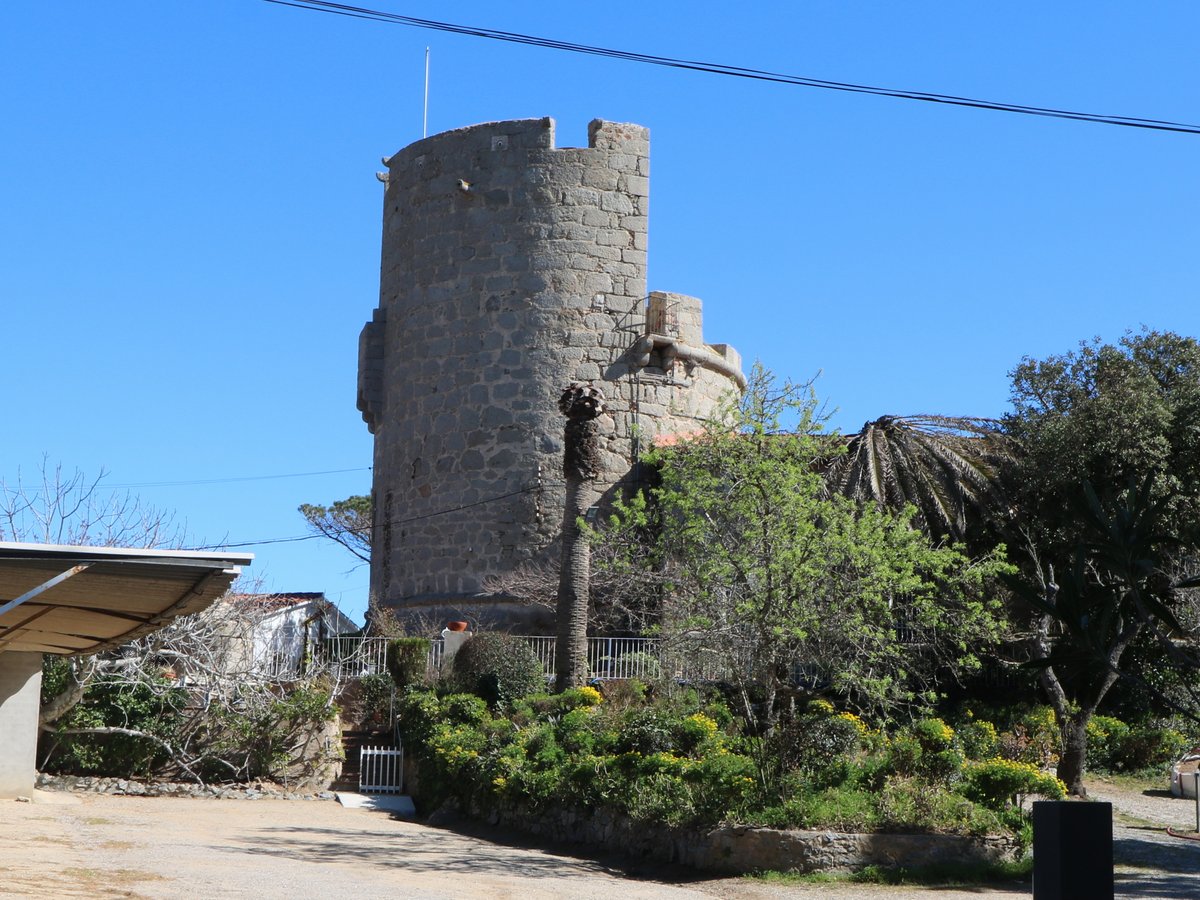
[348,522]
[768,571]
[1106,495]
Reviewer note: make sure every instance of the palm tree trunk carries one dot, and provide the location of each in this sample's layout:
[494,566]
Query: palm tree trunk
[574,578]
[582,405]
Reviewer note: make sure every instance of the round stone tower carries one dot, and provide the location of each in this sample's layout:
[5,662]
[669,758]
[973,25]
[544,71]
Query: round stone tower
[511,268]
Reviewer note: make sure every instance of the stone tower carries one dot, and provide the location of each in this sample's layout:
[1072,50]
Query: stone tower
[509,269]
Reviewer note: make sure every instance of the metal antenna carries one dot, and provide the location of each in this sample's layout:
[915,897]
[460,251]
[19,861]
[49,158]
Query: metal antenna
[425,115]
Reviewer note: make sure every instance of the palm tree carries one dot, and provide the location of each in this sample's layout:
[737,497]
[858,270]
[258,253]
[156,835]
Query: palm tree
[949,467]
[582,404]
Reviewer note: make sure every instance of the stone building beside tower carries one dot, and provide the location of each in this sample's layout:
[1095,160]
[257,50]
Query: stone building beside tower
[509,269]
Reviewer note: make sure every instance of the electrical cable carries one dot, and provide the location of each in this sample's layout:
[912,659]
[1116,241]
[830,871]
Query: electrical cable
[394,523]
[398,522]
[358,12]
[150,484]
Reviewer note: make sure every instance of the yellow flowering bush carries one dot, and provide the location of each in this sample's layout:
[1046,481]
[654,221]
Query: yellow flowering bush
[697,732]
[859,725]
[997,783]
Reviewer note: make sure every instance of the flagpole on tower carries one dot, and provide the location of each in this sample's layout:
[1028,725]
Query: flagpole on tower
[425,114]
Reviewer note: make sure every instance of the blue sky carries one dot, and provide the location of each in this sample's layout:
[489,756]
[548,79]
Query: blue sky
[189,219]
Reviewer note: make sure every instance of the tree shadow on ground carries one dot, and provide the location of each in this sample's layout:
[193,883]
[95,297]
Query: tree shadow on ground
[1163,866]
[468,849]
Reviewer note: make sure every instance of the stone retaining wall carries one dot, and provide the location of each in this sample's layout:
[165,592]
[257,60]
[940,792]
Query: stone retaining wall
[740,849]
[129,787]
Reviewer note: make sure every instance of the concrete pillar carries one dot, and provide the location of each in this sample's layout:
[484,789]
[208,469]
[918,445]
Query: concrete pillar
[451,641]
[20,699]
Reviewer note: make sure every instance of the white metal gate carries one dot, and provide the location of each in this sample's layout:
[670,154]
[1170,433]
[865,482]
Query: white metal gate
[380,770]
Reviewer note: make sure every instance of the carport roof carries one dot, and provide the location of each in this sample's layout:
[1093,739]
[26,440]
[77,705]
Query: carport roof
[81,600]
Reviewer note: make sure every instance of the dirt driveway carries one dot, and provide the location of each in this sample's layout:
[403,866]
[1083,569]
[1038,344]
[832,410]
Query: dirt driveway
[99,846]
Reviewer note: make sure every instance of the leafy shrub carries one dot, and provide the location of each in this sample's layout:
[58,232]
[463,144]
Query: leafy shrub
[926,748]
[625,693]
[645,731]
[978,738]
[417,714]
[151,708]
[579,698]
[998,782]
[1105,736]
[908,804]
[576,731]
[376,696]
[498,667]
[844,808]
[1114,746]
[813,742]
[1148,747]
[464,709]
[695,732]
[407,660]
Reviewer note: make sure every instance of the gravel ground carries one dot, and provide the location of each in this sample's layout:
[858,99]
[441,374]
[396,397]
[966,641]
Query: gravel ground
[1150,862]
[99,846]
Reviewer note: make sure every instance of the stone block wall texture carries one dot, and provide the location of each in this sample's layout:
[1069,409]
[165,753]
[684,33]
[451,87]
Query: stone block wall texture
[735,849]
[509,269]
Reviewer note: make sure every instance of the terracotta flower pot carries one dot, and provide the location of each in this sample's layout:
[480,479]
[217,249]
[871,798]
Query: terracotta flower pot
[456,626]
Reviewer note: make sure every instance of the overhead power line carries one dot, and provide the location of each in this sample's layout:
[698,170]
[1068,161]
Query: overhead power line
[394,522]
[358,12]
[151,484]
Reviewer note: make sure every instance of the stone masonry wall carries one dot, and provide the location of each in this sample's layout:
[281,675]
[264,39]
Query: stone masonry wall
[509,269]
[739,849]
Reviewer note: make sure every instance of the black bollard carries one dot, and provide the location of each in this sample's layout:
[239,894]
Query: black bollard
[1072,851]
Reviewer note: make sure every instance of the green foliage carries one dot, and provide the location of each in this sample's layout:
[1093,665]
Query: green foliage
[376,692]
[498,667]
[1115,747]
[674,762]
[926,748]
[407,659]
[997,783]
[978,738]
[376,697]
[1148,747]
[763,566]
[645,732]
[347,522]
[908,804]
[464,709]
[578,698]
[154,709]
[230,740]
[819,744]
[1105,737]
[839,808]
[260,742]
[1104,414]
[417,713]
[1107,491]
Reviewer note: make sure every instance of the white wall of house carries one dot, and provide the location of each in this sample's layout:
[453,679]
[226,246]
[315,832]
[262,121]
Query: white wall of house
[282,637]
